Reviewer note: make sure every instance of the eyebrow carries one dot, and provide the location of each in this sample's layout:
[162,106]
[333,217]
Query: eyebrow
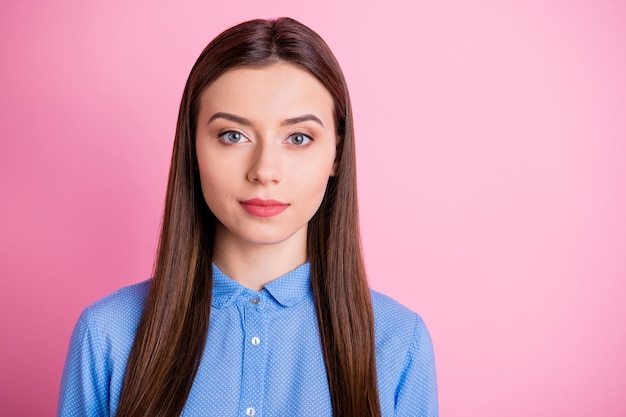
[303,118]
[246,122]
[230,117]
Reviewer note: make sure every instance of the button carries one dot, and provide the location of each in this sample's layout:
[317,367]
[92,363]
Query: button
[250,411]
[255,342]
[254,300]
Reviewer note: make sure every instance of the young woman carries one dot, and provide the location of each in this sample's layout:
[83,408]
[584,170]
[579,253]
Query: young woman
[259,304]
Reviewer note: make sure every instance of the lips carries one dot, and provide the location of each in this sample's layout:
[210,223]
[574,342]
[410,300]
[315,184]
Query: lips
[263,208]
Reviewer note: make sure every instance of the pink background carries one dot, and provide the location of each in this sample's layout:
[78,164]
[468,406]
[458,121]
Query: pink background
[492,167]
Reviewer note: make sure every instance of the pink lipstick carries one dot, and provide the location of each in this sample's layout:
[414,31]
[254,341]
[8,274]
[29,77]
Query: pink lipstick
[263,208]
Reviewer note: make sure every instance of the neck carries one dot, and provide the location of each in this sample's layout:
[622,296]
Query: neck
[253,265]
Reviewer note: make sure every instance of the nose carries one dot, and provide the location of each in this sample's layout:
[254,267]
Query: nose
[265,167]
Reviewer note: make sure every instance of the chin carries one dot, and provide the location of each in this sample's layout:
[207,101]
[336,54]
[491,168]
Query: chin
[273,235]
[265,239]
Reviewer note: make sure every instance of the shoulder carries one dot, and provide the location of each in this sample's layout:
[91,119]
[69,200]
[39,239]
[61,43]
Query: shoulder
[398,329]
[96,359]
[126,301]
[392,317]
[405,359]
[118,312]
[129,297]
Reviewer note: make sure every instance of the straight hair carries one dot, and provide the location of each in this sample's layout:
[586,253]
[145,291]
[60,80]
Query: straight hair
[171,336]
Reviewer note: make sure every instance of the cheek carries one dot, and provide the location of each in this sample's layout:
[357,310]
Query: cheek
[212,185]
[313,186]
[214,168]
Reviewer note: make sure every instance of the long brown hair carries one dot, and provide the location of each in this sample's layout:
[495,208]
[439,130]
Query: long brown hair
[171,337]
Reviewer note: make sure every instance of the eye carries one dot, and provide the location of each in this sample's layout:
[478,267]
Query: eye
[299,139]
[232,136]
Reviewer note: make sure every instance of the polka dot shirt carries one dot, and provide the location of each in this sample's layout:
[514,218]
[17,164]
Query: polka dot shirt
[262,358]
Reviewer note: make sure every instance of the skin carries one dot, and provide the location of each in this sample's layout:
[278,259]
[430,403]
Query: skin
[264,132]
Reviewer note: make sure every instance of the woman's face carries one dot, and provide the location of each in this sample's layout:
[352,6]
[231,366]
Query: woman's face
[265,144]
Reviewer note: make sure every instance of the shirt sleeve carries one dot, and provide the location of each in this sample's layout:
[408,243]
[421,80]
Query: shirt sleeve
[416,394]
[84,384]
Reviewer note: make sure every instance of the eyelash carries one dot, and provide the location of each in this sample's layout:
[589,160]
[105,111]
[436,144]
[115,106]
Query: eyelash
[224,138]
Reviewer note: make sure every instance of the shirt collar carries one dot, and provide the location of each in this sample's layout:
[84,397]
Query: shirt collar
[287,289]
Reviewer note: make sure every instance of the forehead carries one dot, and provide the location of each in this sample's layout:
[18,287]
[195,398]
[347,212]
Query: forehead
[281,89]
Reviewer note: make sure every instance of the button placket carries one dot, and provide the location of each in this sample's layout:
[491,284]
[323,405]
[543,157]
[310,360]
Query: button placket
[254,355]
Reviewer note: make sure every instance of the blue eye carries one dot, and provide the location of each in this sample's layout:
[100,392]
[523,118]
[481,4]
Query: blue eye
[231,137]
[299,139]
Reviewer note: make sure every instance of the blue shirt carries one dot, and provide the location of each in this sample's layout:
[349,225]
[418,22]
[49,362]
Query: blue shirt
[263,355]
